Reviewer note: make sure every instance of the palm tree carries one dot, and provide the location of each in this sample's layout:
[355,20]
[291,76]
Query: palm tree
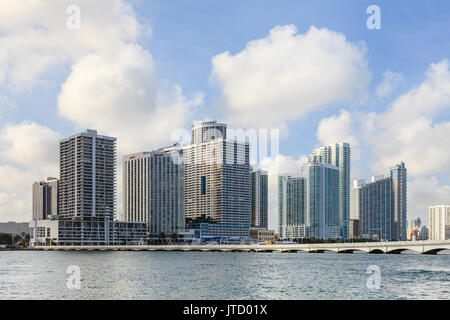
[174,237]
[162,237]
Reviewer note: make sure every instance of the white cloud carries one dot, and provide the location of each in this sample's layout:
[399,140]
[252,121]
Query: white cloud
[35,38]
[410,130]
[121,96]
[424,192]
[286,75]
[28,153]
[335,129]
[6,103]
[391,80]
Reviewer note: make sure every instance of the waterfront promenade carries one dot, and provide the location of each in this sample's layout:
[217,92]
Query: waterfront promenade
[395,247]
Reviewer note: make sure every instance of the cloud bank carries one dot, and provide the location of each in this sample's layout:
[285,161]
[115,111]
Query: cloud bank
[287,75]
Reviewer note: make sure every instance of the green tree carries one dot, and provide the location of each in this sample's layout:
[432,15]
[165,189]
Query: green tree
[5,238]
[162,237]
[174,237]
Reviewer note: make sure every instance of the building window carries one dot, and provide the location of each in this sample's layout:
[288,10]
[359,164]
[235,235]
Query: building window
[203,185]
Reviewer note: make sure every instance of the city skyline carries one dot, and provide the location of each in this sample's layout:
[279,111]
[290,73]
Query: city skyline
[314,158]
[212,175]
[387,98]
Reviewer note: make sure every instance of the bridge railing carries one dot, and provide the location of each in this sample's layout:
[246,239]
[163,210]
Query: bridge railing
[283,246]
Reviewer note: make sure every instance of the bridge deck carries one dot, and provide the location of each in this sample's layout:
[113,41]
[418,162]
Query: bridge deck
[423,247]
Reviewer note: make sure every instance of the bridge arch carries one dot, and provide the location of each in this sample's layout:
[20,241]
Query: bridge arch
[400,250]
[352,250]
[323,250]
[376,251]
[434,251]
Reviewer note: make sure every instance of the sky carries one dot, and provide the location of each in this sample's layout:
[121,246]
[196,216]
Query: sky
[143,70]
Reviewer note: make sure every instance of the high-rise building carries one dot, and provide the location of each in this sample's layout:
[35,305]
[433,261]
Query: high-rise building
[380,206]
[414,223]
[414,226]
[87,198]
[208,130]
[45,198]
[260,200]
[439,219]
[322,200]
[291,206]
[422,233]
[339,155]
[153,191]
[217,182]
[372,204]
[87,176]
[399,184]
[355,229]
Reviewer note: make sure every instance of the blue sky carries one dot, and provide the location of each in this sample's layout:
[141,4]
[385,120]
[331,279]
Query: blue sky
[187,35]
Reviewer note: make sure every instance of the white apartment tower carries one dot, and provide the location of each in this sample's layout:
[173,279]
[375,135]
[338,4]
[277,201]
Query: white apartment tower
[153,190]
[322,200]
[439,219]
[292,206]
[87,176]
[338,155]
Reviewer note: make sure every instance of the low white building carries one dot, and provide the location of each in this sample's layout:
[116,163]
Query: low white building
[294,231]
[439,218]
[87,232]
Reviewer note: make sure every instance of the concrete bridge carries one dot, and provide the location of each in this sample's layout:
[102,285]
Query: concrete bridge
[422,247]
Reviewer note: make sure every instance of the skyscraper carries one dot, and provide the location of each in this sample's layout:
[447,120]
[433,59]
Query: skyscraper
[439,222]
[373,206]
[259,213]
[399,182]
[414,225]
[338,155]
[217,182]
[87,197]
[291,206]
[153,191]
[87,176]
[208,130]
[45,198]
[322,200]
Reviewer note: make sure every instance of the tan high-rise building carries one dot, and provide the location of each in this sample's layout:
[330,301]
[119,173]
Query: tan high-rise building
[45,198]
[217,182]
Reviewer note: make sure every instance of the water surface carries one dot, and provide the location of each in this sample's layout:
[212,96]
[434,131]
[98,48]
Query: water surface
[222,275]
